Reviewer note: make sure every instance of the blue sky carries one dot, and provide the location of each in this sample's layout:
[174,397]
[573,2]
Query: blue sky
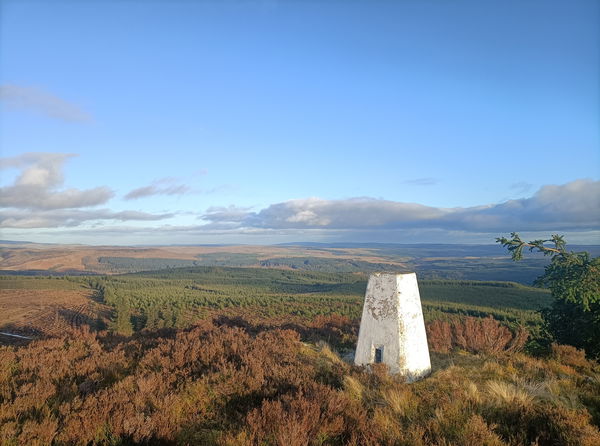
[274,121]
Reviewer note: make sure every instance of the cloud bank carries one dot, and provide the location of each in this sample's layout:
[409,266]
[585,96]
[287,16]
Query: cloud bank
[37,199]
[570,207]
[40,101]
[70,217]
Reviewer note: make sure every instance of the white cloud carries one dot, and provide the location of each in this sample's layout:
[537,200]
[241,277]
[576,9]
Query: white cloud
[227,214]
[38,185]
[36,198]
[340,214]
[572,206]
[17,218]
[38,168]
[40,101]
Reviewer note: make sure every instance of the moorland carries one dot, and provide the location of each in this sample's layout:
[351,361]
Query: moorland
[260,353]
[430,261]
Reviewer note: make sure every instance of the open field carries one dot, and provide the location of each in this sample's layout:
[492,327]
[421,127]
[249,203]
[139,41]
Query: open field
[47,307]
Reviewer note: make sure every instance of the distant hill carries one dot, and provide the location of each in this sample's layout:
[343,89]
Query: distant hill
[430,261]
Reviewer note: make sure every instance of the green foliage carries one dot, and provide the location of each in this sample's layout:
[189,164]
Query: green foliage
[133,264]
[500,295]
[571,276]
[574,277]
[574,281]
[121,323]
[569,323]
[178,297]
[515,245]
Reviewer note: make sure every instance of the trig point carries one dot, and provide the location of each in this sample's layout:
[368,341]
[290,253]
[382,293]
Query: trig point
[392,330]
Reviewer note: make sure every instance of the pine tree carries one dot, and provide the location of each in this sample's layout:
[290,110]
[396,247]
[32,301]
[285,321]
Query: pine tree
[574,281]
[122,319]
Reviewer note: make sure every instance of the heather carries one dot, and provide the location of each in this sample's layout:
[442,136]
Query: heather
[232,381]
[231,356]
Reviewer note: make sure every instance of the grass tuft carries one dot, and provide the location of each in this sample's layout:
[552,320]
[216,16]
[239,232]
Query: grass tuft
[503,393]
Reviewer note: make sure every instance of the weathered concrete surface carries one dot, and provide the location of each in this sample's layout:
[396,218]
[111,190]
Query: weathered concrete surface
[392,319]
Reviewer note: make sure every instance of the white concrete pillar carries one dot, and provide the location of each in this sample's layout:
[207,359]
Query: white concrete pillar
[392,329]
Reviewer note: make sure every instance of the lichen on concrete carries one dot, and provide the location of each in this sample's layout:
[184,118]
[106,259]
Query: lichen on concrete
[381,308]
[393,319]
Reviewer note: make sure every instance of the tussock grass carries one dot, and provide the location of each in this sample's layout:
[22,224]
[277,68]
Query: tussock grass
[504,393]
[328,353]
[401,401]
[472,393]
[353,387]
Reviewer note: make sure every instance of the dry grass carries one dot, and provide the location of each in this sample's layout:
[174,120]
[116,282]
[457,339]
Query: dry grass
[328,353]
[353,388]
[401,401]
[503,393]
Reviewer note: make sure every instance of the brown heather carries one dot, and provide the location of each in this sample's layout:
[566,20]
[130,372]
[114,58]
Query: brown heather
[475,335]
[237,382]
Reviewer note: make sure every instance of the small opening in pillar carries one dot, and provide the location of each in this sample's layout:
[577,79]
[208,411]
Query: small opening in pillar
[378,355]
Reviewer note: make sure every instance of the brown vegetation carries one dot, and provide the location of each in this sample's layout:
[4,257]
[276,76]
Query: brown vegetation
[475,335]
[48,312]
[218,383]
[65,258]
